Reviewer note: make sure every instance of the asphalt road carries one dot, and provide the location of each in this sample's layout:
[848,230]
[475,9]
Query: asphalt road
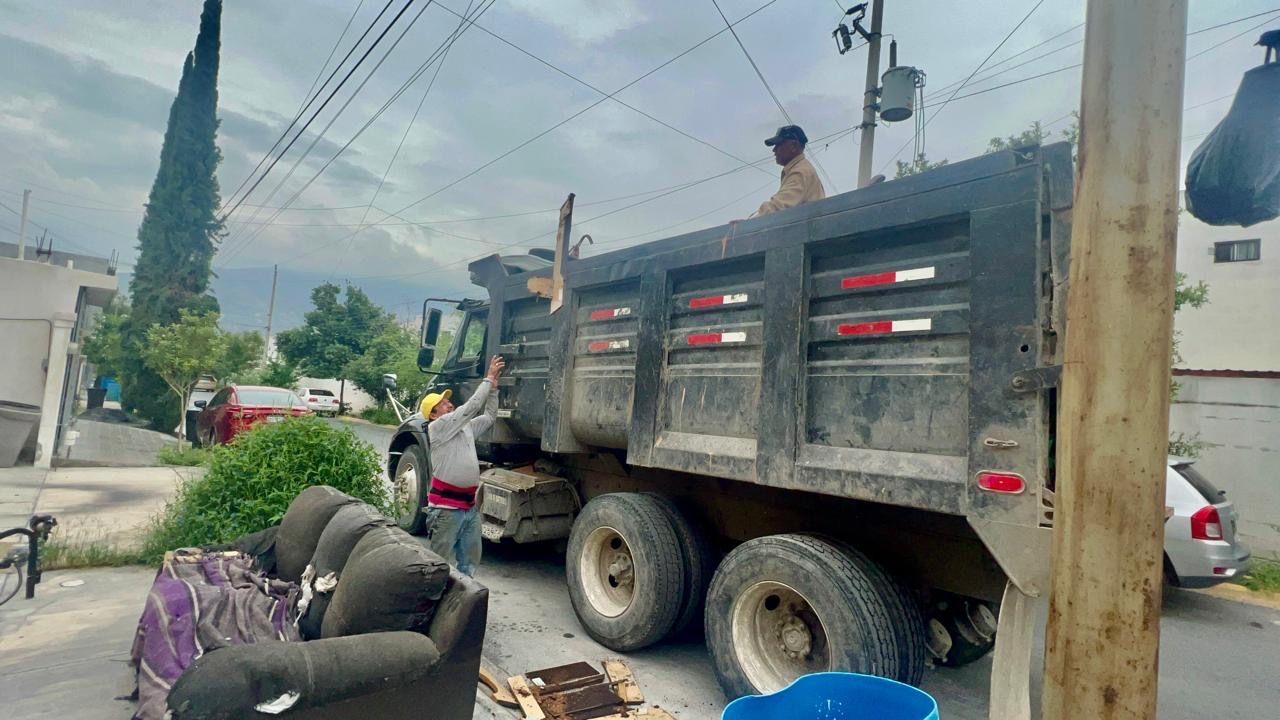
[1218,658]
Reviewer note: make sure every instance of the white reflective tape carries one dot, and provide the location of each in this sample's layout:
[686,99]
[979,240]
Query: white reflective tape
[734,299]
[924,273]
[910,325]
[733,337]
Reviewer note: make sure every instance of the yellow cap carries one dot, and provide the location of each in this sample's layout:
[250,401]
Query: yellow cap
[431,400]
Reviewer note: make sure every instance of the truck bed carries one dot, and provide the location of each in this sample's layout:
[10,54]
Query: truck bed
[886,344]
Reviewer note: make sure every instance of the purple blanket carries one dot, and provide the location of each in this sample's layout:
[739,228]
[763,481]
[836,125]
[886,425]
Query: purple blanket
[200,602]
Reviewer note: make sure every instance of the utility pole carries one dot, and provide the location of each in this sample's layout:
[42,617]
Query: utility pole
[870,98]
[271,310]
[1103,633]
[22,226]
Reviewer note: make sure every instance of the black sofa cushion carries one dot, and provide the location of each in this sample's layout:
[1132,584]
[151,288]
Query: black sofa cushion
[301,526]
[390,582]
[339,538]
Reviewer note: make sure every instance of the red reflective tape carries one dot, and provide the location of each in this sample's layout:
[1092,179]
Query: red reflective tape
[867,328]
[602,345]
[883,278]
[713,300]
[610,313]
[705,339]
[886,278]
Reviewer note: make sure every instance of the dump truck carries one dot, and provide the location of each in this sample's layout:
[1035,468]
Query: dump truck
[824,438]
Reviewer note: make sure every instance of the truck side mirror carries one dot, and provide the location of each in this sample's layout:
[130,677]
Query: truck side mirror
[389,381]
[430,333]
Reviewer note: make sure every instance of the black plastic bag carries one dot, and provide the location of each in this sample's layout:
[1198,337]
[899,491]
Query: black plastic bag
[1234,176]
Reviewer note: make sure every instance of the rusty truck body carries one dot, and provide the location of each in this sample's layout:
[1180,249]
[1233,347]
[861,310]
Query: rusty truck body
[824,436]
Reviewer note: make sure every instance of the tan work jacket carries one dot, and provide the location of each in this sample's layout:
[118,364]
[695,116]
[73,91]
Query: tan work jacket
[800,184]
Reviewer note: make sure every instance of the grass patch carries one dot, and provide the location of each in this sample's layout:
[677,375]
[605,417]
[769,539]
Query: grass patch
[183,454]
[251,482]
[69,548]
[1262,576]
[380,415]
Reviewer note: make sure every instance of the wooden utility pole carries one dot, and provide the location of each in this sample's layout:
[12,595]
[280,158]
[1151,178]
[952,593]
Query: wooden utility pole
[870,96]
[1103,634]
[22,226]
[271,311]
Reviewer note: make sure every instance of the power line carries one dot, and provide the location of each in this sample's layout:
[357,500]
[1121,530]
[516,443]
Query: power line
[729,26]
[1215,46]
[302,108]
[439,66]
[303,129]
[966,80]
[246,241]
[570,118]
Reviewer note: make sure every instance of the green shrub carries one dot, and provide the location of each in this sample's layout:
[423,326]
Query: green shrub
[183,454]
[1262,576]
[380,415]
[251,482]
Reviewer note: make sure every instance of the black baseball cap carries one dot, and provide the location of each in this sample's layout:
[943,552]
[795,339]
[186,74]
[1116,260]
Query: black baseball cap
[788,132]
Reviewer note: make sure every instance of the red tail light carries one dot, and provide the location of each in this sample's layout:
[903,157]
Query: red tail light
[312,399]
[1205,524]
[1009,483]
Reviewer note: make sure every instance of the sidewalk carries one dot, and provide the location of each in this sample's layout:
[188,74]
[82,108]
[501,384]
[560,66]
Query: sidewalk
[101,444]
[110,505]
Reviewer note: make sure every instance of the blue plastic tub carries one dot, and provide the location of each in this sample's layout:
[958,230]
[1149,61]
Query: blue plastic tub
[837,696]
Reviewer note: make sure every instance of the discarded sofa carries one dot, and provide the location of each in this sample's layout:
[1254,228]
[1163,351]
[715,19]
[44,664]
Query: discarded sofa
[364,622]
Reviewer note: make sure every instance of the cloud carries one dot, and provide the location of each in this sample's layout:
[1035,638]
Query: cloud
[586,22]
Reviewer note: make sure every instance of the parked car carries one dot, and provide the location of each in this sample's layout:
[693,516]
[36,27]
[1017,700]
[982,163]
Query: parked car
[1200,543]
[236,408]
[319,400]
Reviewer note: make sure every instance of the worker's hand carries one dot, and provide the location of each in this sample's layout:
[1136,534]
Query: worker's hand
[495,368]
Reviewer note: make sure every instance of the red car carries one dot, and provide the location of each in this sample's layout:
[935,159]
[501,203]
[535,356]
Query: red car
[236,408]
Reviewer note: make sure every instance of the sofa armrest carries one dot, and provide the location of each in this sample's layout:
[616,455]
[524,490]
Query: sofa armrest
[231,681]
[458,626]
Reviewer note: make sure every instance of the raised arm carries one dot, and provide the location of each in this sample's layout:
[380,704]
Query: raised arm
[449,424]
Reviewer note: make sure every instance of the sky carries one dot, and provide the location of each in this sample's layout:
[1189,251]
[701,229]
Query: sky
[87,85]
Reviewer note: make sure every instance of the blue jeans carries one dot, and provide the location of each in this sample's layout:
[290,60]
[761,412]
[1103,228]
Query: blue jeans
[455,536]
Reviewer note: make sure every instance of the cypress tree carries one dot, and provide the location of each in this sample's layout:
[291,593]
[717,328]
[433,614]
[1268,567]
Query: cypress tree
[180,230]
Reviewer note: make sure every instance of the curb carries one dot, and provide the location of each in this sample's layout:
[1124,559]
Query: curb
[361,421]
[1241,594]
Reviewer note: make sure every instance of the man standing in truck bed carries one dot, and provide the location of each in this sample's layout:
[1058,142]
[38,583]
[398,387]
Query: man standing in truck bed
[452,521]
[800,183]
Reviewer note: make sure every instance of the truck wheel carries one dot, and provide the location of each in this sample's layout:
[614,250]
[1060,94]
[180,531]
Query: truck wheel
[972,626]
[699,563]
[783,606]
[409,489]
[905,612]
[625,571]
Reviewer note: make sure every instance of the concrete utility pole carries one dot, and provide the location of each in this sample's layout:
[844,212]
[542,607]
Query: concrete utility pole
[22,226]
[1103,634]
[271,310]
[870,97]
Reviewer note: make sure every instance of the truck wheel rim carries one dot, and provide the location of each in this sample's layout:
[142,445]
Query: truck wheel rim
[406,490]
[777,636]
[607,571]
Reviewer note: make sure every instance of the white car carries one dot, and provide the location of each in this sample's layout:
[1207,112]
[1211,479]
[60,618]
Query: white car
[319,400]
[1200,543]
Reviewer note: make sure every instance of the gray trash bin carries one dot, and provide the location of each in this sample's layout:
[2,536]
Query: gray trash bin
[16,421]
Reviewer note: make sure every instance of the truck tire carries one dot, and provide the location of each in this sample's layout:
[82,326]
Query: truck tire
[408,489]
[699,563]
[782,606]
[625,571]
[905,612]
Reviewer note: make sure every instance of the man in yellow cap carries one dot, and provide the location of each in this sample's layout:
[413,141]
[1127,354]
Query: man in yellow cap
[452,521]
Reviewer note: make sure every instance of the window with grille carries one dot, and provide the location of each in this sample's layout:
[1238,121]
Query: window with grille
[1237,250]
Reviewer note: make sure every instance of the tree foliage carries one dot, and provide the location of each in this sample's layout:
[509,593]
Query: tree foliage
[104,347]
[180,229]
[276,373]
[1033,135]
[394,351]
[180,352]
[336,331]
[243,352]
[918,165]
